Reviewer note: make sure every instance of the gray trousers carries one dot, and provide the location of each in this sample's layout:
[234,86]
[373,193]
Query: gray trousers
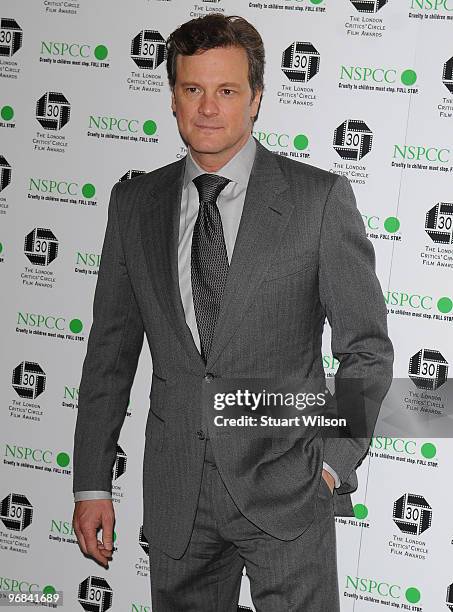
[285,576]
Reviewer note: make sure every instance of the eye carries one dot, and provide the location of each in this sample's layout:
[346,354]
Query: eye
[191,90]
[227,92]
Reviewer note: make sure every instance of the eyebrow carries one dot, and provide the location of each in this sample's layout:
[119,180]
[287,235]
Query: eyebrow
[192,83]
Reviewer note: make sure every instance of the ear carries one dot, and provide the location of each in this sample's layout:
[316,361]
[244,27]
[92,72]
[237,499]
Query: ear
[173,100]
[255,103]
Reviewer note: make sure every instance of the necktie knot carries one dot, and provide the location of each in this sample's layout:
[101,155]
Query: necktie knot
[209,187]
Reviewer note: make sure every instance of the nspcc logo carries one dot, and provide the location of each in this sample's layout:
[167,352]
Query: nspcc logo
[428,369]
[300,62]
[439,223]
[29,379]
[41,246]
[369,6]
[352,139]
[10,37]
[412,514]
[76,50]
[5,173]
[53,110]
[382,588]
[95,594]
[16,512]
[148,49]
[447,75]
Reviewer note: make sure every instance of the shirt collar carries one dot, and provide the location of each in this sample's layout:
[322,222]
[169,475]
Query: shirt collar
[237,169]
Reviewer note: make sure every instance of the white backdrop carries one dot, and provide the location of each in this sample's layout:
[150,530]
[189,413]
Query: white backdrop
[363,88]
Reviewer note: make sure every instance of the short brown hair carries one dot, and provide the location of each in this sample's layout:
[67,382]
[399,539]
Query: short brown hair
[217,30]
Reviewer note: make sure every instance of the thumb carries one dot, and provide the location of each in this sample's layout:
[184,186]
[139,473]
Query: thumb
[107,533]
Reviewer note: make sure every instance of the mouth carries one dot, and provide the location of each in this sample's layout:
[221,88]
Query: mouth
[209,128]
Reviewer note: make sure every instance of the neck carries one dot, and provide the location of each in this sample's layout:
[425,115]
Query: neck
[212,162]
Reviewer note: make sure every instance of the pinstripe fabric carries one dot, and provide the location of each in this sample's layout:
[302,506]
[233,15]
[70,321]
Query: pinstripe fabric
[299,575]
[301,255]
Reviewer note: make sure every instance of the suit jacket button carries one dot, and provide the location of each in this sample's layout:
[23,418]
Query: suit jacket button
[209,377]
[200,434]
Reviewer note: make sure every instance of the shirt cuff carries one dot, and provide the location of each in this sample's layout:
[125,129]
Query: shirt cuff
[85,495]
[333,473]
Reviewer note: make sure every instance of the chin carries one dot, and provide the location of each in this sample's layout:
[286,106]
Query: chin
[207,145]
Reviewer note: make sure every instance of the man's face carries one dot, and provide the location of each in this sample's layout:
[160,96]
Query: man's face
[213,102]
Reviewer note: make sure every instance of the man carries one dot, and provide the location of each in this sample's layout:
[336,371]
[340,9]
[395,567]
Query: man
[229,260]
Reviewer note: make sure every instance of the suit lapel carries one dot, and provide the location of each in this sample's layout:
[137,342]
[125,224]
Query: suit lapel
[264,217]
[159,223]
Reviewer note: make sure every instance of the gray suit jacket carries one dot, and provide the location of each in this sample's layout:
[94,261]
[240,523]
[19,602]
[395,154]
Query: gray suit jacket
[301,254]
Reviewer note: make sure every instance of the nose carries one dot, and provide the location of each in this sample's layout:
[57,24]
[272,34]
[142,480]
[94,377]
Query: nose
[208,105]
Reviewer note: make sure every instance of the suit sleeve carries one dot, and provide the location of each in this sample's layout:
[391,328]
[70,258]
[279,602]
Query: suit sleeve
[114,345]
[355,308]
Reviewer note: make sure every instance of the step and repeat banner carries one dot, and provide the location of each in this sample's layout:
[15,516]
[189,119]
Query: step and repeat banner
[363,88]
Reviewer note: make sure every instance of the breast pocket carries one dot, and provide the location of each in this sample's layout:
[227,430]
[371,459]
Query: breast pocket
[289,266]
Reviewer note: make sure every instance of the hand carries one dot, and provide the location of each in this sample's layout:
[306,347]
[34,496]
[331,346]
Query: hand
[89,516]
[329,480]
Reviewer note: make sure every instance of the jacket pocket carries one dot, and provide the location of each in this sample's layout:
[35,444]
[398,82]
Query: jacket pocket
[291,265]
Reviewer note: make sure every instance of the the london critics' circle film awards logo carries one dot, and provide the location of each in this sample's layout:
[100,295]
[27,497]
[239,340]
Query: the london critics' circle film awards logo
[95,594]
[352,139]
[5,173]
[428,369]
[148,49]
[16,512]
[131,174]
[53,110]
[119,466]
[41,246]
[10,37]
[439,223]
[449,599]
[300,62]
[369,6]
[143,541]
[412,514]
[447,75]
[29,379]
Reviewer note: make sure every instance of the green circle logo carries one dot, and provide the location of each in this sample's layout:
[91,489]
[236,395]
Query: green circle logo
[101,52]
[392,224]
[63,459]
[360,511]
[88,190]
[150,127]
[300,142]
[428,450]
[316,1]
[114,535]
[76,326]
[7,113]
[49,589]
[408,77]
[444,304]
[413,595]
[1,247]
